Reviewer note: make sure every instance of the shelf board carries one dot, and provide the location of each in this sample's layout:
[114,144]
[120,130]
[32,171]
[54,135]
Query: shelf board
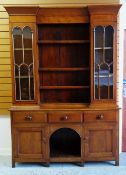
[64,87]
[64,69]
[63,41]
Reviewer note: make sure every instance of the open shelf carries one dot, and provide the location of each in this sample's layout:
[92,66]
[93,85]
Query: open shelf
[63,41]
[63,32]
[64,69]
[64,87]
[64,72]
[65,95]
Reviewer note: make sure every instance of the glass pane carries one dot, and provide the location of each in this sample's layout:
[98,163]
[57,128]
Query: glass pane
[99,31]
[24,88]
[104,81]
[32,88]
[18,55]
[28,56]
[17,37]
[31,82]
[17,89]
[103,87]
[98,56]
[108,56]
[27,37]
[111,87]
[111,69]
[16,71]
[109,36]
[24,70]
[96,88]
[31,70]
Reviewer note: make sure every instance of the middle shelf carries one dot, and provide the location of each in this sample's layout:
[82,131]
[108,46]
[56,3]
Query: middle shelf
[64,87]
[63,41]
[63,69]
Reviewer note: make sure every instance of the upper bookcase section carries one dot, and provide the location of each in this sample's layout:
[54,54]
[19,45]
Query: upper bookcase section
[42,15]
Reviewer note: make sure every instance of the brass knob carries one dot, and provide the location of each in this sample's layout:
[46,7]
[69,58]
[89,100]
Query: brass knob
[65,117]
[28,117]
[100,117]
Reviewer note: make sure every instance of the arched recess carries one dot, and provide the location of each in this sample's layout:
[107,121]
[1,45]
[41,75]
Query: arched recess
[65,142]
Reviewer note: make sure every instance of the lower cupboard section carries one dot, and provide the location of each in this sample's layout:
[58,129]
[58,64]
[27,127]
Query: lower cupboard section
[65,136]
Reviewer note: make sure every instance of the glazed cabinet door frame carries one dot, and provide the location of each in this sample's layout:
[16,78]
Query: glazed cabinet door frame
[32,27]
[113,100]
[104,16]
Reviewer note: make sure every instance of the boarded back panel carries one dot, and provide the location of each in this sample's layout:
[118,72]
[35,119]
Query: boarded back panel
[5,74]
[5,60]
[3,15]
[4,55]
[5,105]
[4,34]
[4,21]
[5,93]
[5,80]
[5,48]
[4,41]
[4,27]
[6,99]
[5,67]
[6,87]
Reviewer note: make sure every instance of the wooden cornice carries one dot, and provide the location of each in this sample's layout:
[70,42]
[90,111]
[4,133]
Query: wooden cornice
[103,9]
[62,14]
[21,10]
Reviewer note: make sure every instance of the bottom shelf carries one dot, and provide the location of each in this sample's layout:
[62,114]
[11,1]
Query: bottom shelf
[65,95]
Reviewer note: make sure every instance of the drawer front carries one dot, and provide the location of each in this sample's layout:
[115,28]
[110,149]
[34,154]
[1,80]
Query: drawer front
[29,117]
[65,117]
[100,116]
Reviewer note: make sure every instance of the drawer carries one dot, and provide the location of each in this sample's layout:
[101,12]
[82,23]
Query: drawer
[100,116]
[65,117]
[29,117]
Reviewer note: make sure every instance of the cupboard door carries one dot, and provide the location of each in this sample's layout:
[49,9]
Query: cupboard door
[29,143]
[100,141]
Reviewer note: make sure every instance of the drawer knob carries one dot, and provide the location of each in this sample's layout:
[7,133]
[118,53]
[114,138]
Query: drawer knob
[28,117]
[64,117]
[100,117]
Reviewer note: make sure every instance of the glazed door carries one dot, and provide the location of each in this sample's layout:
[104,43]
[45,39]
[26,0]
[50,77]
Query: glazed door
[29,143]
[103,62]
[99,141]
[24,64]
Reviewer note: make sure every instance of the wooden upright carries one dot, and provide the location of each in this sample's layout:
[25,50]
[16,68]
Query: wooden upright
[64,64]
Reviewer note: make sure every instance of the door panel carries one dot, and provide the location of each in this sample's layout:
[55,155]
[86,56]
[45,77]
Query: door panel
[29,143]
[99,140]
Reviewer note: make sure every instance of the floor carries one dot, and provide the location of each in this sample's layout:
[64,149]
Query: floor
[92,168]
